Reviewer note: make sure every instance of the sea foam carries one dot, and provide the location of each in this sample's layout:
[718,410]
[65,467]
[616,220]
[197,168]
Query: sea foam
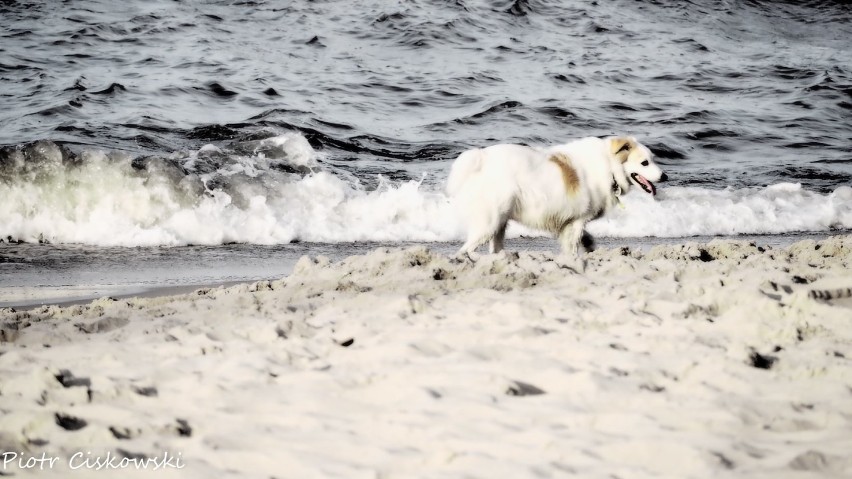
[277,191]
[691,211]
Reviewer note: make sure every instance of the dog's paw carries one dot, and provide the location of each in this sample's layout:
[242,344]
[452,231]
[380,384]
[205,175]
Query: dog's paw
[587,241]
[464,257]
[572,263]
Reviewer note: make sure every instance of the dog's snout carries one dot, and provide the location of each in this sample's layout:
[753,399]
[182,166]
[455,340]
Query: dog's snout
[664,177]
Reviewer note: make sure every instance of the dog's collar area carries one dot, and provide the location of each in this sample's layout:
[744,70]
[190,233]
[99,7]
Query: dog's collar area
[616,188]
[617,191]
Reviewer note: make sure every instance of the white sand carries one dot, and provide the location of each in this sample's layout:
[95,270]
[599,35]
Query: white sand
[643,366]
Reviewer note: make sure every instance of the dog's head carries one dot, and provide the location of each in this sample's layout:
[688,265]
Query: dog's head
[635,159]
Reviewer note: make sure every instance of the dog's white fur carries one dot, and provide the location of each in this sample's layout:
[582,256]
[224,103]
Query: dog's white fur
[557,189]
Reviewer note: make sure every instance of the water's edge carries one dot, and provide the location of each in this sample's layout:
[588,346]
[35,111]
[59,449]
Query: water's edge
[36,275]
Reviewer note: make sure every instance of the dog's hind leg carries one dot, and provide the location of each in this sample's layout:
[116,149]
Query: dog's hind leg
[477,235]
[469,247]
[486,229]
[496,244]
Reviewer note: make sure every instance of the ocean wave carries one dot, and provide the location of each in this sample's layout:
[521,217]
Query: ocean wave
[694,211]
[279,190]
[267,191]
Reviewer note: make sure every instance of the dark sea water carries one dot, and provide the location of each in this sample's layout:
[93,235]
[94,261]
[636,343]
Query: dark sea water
[208,123]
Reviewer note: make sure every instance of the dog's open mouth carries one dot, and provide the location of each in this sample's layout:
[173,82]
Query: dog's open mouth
[644,183]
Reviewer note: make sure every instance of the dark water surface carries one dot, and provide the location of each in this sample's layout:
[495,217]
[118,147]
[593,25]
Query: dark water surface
[734,93]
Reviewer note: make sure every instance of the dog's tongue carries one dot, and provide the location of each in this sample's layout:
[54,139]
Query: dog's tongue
[649,187]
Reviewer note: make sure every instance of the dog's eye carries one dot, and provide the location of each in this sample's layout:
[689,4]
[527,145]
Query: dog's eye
[645,163]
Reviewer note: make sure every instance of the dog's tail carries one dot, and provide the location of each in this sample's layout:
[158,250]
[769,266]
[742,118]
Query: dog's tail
[465,165]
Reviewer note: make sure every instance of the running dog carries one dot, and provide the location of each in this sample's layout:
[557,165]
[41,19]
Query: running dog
[557,189]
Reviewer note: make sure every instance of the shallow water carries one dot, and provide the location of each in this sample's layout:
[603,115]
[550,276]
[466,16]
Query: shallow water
[163,123]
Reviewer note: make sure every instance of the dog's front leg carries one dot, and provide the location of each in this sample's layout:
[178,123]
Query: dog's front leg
[570,238]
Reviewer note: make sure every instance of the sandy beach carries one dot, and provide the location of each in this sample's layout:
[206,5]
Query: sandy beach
[693,360]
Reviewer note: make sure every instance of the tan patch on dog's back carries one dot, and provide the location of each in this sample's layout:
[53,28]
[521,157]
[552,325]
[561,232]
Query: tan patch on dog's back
[569,175]
[621,148]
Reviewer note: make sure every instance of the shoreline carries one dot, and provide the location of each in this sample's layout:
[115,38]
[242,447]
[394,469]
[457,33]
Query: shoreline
[87,297]
[69,278]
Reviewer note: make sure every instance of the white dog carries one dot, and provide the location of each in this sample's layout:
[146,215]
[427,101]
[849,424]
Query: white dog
[558,189]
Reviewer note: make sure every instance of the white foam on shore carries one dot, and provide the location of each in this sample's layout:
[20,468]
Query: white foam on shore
[274,191]
[691,211]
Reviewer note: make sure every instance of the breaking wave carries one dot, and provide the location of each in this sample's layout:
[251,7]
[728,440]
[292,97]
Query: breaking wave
[279,190]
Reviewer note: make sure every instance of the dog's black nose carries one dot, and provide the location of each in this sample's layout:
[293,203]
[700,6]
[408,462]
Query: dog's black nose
[665,177]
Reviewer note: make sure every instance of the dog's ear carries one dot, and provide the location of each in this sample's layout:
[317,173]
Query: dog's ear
[620,147]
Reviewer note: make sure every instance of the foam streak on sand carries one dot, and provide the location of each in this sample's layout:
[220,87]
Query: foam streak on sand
[682,361]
